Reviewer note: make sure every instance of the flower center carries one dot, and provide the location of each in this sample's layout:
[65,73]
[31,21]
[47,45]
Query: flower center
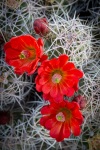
[56,78]
[67,112]
[24,54]
[60,117]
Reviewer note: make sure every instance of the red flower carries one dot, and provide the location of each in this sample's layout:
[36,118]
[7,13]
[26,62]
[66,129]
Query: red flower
[62,119]
[23,52]
[41,26]
[57,77]
[4,117]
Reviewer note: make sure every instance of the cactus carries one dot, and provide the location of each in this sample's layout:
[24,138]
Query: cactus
[13,88]
[71,37]
[18,96]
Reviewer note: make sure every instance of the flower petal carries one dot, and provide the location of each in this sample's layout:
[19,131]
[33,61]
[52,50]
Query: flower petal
[40,42]
[43,120]
[77,115]
[46,96]
[38,86]
[12,54]
[50,123]
[70,105]
[69,82]
[28,41]
[58,98]
[54,91]
[66,130]
[70,92]
[56,131]
[63,59]
[76,87]
[75,127]
[14,44]
[25,66]
[43,80]
[45,110]
[40,70]
[54,63]
[43,58]
[77,73]
[17,62]
[69,66]
[46,88]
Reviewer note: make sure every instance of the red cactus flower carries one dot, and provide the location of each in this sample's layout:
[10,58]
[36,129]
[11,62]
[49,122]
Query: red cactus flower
[23,52]
[81,100]
[41,26]
[62,119]
[4,117]
[57,77]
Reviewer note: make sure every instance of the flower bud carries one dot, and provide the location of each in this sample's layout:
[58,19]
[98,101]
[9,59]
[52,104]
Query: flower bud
[4,117]
[81,100]
[41,26]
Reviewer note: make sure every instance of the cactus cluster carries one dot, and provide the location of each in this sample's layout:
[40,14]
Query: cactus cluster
[68,34]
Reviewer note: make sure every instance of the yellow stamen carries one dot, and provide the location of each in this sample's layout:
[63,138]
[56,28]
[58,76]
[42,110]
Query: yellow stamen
[60,117]
[56,78]
[24,54]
